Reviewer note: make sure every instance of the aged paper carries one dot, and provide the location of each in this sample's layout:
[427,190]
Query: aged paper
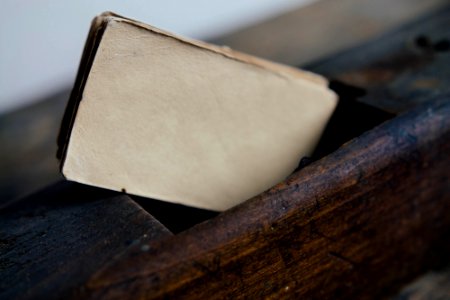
[185,122]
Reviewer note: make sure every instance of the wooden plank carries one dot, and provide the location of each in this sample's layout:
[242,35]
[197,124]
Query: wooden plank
[330,231]
[325,27]
[52,241]
[400,69]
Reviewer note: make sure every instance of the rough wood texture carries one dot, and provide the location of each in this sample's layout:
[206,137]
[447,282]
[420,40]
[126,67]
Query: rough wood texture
[358,223]
[325,27]
[52,241]
[398,70]
[330,231]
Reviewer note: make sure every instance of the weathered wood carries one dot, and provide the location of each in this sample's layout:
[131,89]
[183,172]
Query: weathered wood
[325,27]
[52,241]
[357,223]
[350,119]
[400,69]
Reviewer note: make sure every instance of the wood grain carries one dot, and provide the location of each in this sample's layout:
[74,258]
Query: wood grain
[400,69]
[325,27]
[52,241]
[332,230]
[359,223]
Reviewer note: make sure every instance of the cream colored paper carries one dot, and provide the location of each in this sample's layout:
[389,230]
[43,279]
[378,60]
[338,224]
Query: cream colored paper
[180,121]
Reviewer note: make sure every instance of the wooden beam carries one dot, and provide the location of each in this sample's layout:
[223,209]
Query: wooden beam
[53,240]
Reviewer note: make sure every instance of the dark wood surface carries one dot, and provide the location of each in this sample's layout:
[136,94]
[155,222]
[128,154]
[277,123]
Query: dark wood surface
[297,37]
[52,241]
[325,27]
[360,222]
[28,147]
[389,214]
[398,70]
[332,230]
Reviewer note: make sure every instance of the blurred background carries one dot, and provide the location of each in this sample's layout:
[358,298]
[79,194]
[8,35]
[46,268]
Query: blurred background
[42,41]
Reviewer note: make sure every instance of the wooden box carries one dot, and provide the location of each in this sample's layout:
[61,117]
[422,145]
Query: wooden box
[369,212]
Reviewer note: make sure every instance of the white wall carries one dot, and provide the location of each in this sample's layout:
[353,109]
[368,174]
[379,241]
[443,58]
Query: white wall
[41,40]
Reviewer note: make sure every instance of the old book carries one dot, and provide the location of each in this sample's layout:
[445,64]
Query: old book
[165,117]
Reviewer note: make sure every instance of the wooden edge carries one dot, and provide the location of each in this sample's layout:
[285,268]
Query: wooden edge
[52,241]
[335,226]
